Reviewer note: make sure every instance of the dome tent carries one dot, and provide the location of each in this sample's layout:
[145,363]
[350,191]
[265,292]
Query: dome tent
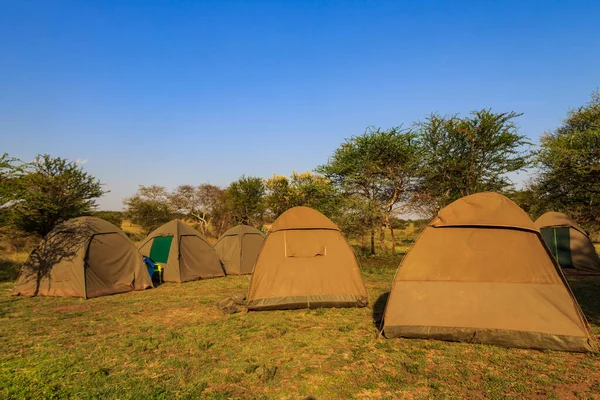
[479,272]
[238,248]
[83,257]
[305,262]
[569,243]
[183,252]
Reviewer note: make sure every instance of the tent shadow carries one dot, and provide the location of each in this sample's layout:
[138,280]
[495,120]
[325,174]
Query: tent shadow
[379,308]
[62,244]
[586,291]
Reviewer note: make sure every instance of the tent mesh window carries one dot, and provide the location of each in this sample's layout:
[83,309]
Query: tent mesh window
[161,245]
[559,242]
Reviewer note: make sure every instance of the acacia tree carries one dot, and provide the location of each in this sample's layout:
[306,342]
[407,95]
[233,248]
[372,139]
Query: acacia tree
[380,166]
[198,203]
[462,156]
[221,213]
[10,170]
[356,217]
[304,189]
[569,163]
[50,191]
[149,207]
[212,200]
[245,198]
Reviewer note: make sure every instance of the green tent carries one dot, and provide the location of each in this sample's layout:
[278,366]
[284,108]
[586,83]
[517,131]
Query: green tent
[569,244]
[183,252]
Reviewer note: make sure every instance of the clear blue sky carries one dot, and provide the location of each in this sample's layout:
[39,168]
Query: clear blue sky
[152,92]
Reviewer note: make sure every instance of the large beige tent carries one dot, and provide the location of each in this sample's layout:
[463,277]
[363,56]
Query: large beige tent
[238,248]
[183,252]
[479,272]
[569,243]
[305,262]
[83,257]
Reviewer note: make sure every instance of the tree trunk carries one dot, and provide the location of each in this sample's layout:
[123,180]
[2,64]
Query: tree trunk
[393,240]
[372,241]
[38,281]
[382,239]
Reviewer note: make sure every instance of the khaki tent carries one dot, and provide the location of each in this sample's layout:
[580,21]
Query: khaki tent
[479,272]
[569,243]
[238,248]
[305,262]
[83,257]
[183,252]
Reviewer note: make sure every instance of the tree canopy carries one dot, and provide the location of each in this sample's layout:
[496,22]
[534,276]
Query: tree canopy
[149,207]
[50,191]
[380,166]
[197,203]
[10,169]
[245,198]
[569,163]
[462,156]
[301,189]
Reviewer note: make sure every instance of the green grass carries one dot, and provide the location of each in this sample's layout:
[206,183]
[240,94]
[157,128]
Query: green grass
[173,342]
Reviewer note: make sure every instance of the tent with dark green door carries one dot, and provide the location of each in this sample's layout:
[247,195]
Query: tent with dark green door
[182,252]
[569,244]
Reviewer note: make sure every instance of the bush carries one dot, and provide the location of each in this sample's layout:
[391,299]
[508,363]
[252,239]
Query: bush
[114,217]
[9,270]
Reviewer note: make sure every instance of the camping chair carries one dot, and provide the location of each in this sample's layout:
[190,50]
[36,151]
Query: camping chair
[159,270]
[153,268]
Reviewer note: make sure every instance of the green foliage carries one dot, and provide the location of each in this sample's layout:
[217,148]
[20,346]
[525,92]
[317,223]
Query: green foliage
[527,200]
[378,166]
[398,223]
[49,191]
[462,156]
[9,270]
[245,199]
[203,206]
[149,207]
[114,217]
[569,162]
[356,215]
[199,204]
[305,189]
[10,170]
[221,217]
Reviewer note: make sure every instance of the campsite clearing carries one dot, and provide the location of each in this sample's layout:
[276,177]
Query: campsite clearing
[173,342]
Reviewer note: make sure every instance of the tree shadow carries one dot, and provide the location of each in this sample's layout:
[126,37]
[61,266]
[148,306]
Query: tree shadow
[379,308]
[586,291]
[63,244]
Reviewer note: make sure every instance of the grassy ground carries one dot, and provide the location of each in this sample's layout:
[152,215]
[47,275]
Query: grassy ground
[172,342]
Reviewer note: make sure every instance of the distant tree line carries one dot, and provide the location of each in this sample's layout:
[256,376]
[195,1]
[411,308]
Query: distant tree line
[367,182]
